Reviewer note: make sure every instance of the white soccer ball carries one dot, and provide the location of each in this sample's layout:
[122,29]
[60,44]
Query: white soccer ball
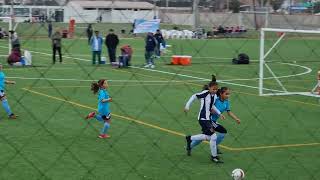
[237,174]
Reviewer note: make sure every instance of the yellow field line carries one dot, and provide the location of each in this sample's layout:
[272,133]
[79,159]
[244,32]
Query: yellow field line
[113,85]
[171,131]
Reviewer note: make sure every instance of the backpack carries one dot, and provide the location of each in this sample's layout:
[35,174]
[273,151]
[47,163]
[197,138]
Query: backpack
[242,59]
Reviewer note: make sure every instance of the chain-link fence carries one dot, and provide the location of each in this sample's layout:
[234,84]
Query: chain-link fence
[278,137]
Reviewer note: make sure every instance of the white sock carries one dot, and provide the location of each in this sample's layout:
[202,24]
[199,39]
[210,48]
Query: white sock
[213,145]
[200,137]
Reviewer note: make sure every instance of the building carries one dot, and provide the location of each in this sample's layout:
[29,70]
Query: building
[108,11]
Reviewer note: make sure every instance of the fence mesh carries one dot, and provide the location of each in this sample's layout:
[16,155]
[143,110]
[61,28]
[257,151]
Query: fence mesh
[278,137]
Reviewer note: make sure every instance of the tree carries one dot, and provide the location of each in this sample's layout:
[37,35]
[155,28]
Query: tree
[235,6]
[276,4]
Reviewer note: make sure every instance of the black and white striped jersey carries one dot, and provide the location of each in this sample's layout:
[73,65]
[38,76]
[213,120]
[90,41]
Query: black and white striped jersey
[207,101]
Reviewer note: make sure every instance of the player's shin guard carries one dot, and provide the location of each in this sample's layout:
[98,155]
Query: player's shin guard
[195,143]
[220,137]
[6,106]
[105,128]
[213,145]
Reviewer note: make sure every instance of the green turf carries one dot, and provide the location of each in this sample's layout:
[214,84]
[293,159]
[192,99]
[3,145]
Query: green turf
[51,140]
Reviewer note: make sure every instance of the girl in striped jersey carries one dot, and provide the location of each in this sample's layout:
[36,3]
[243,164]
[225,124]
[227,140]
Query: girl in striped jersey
[223,105]
[207,98]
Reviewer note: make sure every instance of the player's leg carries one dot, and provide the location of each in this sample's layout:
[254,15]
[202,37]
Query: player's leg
[222,133]
[6,106]
[192,141]
[213,149]
[106,126]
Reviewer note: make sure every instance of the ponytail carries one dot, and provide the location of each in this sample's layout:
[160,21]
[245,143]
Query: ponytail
[213,82]
[213,78]
[96,86]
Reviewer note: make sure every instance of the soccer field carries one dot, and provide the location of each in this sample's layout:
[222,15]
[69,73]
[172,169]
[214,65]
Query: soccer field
[278,137]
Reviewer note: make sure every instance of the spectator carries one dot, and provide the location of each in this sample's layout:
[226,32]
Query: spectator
[15,42]
[112,42]
[151,44]
[96,42]
[49,29]
[89,32]
[56,46]
[14,57]
[126,54]
[160,41]
[3,33]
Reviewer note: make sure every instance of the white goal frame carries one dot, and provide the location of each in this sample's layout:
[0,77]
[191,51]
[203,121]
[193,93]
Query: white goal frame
[262,63]
[10,21]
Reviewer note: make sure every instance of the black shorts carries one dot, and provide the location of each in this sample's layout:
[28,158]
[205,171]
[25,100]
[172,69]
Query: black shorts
[106,117]
[219,128]
[2,94]
[206,127]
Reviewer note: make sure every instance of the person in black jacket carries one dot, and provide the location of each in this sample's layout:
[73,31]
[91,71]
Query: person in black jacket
[89,32]
[160,39]
[112,42]
[151,44]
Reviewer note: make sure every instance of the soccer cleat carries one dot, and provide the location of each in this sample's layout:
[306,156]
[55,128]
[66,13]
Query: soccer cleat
[13,116]
[152,66]
[103,136]
[147,65]
[188,148]
[216,160]
[90,115]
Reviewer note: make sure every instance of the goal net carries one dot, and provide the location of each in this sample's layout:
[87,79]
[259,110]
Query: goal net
[289,62]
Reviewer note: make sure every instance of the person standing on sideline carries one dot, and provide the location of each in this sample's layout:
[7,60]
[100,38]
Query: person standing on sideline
[160,39]
[89,32]
[151,44]
[112,42]
[56,46]
[49,29]
[96,42]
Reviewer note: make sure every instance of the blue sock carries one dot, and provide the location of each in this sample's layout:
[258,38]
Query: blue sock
[195,143]
[99,117]
[105,128]
[220,137]
[6,107]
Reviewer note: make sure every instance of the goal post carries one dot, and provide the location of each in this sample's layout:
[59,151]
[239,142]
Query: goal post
[265,68]
[8,20]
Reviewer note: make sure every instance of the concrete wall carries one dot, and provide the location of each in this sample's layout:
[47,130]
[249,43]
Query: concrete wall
[230,19]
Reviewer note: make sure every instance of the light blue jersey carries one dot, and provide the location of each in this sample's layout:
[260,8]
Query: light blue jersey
[222,106]
[2,81]
[103,108]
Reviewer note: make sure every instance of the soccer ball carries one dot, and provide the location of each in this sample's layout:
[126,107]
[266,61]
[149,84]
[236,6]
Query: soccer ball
[237,174]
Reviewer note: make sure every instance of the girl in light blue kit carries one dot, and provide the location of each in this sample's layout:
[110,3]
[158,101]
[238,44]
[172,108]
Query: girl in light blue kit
[104,100]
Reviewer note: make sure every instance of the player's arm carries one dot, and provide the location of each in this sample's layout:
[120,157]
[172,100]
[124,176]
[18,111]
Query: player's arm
[215,110]
[190,101]
[10,82]
[233,116]
[203,94]
[106,100]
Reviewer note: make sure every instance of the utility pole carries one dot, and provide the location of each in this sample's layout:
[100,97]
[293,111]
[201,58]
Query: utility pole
[255,14]
[196,18]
